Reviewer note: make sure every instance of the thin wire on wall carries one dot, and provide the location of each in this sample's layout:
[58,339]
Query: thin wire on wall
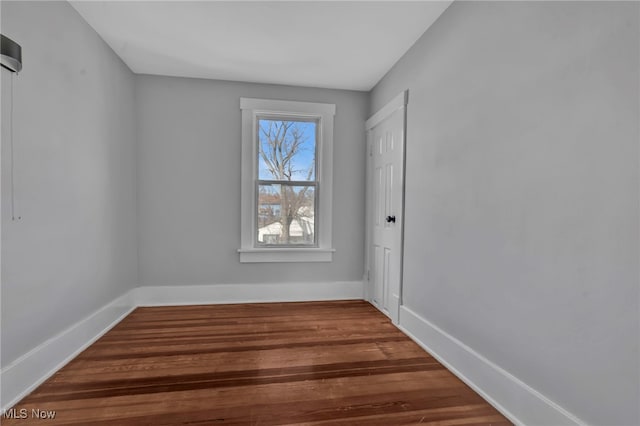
[13,186]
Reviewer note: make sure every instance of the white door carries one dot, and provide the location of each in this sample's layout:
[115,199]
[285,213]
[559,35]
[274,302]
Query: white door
[386,139]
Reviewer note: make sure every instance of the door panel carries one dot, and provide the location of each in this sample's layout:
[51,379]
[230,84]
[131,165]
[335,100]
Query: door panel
[377,275]
[379,200]
[388,192]
[385,281]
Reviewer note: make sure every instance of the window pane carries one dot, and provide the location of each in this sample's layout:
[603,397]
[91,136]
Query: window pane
[286,215]
[286,150]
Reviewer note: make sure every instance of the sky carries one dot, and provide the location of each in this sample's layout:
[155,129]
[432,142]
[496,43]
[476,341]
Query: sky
[303,158]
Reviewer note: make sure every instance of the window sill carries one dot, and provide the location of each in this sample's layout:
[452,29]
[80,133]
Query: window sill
[270,255]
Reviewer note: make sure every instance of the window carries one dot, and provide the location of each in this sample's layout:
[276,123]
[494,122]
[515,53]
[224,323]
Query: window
[287,150]
[287,184]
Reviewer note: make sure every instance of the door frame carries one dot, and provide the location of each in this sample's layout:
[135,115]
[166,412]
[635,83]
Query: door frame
[399,102]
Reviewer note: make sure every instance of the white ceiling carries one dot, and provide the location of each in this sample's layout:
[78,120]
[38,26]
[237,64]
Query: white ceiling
[331,44]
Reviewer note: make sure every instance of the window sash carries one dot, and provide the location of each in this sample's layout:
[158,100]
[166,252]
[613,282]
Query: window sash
[316,217]
[279,117]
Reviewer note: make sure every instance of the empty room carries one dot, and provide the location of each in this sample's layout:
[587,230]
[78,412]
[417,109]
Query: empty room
[320,213]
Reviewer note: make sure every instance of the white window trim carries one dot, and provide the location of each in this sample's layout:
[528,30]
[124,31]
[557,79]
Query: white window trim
[249,251]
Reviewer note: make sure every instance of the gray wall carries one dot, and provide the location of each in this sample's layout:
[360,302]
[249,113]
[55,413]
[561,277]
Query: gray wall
[189,183]
[74,249]
[522,193]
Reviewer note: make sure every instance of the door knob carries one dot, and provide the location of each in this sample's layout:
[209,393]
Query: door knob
[391,219]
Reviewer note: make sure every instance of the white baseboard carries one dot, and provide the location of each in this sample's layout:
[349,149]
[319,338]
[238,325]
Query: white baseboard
[247,293]
[515,399]
[26,373]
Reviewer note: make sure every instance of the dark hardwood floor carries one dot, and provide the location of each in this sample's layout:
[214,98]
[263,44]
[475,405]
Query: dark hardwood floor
[338,363]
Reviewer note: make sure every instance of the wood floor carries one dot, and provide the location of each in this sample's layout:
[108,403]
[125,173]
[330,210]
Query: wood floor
[319,363]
